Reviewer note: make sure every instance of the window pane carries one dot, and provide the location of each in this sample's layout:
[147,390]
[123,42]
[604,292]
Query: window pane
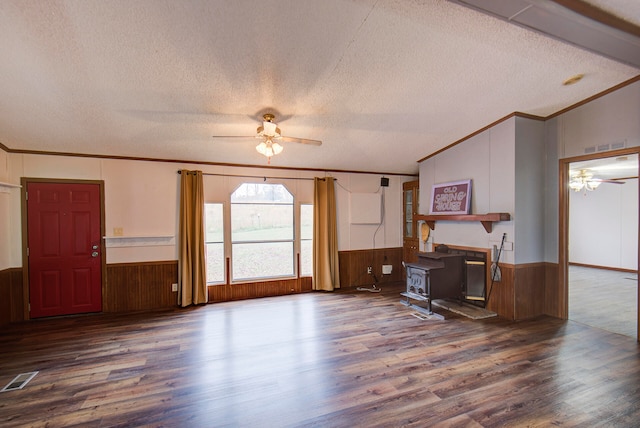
[306,240]
[215,262]
[214,240]
[306,257]
[261,222]
[214,224]
[262,193]
[262,232]
[261,260]
[306,221]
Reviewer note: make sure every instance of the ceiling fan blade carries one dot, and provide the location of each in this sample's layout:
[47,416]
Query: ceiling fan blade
[613,181]
[253,138]
[235,137]
[302,141]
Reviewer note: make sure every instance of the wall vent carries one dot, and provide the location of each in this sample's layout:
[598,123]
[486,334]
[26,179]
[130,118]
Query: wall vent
[618,145]
[591,149]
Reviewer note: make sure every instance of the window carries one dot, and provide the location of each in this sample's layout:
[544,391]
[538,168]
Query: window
[306,240]
[262,236]
[214,242]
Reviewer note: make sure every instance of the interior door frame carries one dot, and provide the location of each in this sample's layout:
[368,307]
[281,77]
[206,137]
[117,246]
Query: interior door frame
[563,226]
[25,181]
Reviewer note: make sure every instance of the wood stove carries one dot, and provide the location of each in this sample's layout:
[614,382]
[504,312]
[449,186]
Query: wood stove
[436,275]
[447,273]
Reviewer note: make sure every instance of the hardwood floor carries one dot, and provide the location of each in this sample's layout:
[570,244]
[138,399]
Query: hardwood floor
[340,359]
[604,299]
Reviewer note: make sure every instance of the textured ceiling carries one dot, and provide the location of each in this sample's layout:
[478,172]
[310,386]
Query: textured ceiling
[381,83]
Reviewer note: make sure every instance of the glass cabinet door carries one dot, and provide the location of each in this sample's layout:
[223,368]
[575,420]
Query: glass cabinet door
[408,214]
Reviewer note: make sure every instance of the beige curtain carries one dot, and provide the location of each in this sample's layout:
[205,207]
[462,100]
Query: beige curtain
[191,262]
[326,272]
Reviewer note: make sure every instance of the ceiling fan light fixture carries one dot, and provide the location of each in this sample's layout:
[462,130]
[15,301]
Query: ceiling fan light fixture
[262,148]
[576,185]
[269,128]
[591,185]
[268,148]
[277,148]
[583,180]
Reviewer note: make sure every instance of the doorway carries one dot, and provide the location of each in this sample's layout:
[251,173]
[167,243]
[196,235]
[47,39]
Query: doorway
[63,249]
[599,240]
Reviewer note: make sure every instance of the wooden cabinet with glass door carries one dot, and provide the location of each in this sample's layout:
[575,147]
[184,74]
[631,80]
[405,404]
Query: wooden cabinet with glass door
[411,237]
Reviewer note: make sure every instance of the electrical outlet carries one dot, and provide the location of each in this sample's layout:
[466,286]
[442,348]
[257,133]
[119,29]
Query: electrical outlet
[369,270]
[174,287]
[118,231]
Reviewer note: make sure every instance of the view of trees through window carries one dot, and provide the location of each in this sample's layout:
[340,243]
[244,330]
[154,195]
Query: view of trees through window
[262,231]
[262,234]
[306,240]
[214,242]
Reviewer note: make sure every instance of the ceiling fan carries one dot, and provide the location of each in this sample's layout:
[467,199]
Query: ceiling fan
[269,135]
[584,179]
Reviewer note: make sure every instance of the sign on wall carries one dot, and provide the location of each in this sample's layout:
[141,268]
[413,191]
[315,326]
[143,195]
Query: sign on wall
[451,198]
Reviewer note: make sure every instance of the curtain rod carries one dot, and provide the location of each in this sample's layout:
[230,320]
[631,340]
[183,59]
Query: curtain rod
[264,177]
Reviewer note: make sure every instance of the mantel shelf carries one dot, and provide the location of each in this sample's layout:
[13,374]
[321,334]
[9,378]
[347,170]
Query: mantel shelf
[487,220]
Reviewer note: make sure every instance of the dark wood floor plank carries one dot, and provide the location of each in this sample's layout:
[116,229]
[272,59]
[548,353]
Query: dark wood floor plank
[320,359]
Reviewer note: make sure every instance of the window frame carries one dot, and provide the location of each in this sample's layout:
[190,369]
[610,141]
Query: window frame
[223,242]
[294,237]
[301,239]
[228,242]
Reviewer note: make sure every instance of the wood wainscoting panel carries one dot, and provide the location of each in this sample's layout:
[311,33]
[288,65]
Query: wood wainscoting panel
[140,286]
[11,296]
[354,263]
[306,284]
[522,291]
[501,295]
[553,297]
[155,288]
[122,288]
[251,290]
[529,290]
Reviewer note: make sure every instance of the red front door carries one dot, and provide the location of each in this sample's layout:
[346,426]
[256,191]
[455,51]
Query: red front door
[64,251]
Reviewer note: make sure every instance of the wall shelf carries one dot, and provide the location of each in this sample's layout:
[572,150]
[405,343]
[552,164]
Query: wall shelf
[139,241]
[487,220]
[6,187]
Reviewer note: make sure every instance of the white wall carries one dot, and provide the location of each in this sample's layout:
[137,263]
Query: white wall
[604,226]
[551,202]
[142,198]
[8,197]
[364,236]
[612,118]
[488,160]
[529,191]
